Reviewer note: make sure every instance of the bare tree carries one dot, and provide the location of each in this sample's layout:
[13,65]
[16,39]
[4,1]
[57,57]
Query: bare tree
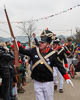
[28,28]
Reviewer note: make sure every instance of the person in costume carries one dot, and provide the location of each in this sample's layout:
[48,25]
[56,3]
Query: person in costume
[62,59]
[70,48]
[43,59]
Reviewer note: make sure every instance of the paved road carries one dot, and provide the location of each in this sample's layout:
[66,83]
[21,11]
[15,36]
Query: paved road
[69,92]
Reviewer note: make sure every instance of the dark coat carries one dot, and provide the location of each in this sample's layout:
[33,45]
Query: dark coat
[5,59]
[40,72]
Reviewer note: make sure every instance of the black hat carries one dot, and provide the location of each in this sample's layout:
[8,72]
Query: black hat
[69,39]
[46,39]
[56,41]
[47,36]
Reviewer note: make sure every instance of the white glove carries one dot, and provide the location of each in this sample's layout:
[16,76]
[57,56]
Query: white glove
[69,82]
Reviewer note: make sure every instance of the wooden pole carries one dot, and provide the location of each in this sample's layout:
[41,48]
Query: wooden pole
[16,53]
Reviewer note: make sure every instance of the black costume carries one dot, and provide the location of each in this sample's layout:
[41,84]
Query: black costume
[71,49]
[40,72]
[5,59]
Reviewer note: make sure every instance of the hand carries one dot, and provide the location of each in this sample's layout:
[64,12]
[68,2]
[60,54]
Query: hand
[69,82]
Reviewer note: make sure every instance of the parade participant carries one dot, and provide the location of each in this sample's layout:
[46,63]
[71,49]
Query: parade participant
[21,70]
[70,47]
[62,58]
[77,69]
[43,60]
[5,59]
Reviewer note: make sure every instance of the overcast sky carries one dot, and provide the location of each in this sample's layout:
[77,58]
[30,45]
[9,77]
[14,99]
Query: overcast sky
[23,10]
